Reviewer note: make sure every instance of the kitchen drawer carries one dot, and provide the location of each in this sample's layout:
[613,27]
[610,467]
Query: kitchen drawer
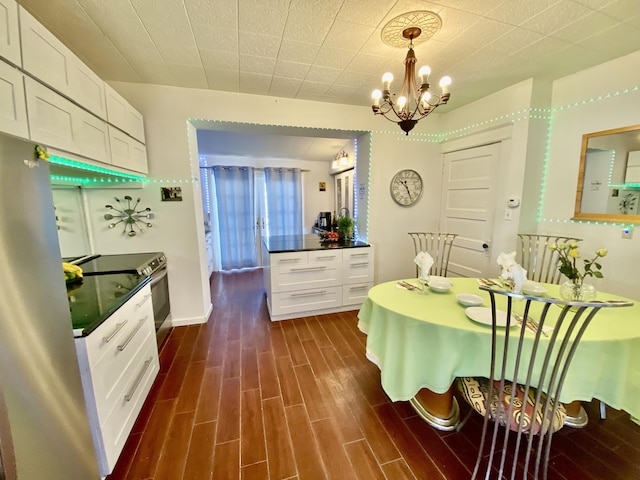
[306,300]
[115,329]
[288,258]
[355,294]
[115,429]
[115,371]
[303,277]
[357,271]
[358,254]
[326,257]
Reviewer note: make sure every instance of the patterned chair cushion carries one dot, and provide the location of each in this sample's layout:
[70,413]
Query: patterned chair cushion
[475,391]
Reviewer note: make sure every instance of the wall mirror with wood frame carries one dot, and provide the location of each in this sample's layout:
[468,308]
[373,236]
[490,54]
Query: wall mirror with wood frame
[609,176]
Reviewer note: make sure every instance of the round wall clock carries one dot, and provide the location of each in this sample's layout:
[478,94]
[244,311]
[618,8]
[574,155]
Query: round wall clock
[406,187]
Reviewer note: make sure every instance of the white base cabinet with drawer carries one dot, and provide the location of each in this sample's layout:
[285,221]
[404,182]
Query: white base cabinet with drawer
[118,364]
[305,283]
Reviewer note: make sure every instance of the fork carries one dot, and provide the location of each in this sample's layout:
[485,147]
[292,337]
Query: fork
[531,324]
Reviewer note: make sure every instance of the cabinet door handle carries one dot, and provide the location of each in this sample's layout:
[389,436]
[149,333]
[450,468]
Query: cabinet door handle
[302,269]
[282,260]
[133,334]
[361,287]
[359,255]
[135,385]
[306,294]
[361,264]
[119,326]
[146,297]
[326,257]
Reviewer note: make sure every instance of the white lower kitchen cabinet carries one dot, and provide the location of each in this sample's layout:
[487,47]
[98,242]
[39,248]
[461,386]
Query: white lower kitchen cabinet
[118,364]
[324,280]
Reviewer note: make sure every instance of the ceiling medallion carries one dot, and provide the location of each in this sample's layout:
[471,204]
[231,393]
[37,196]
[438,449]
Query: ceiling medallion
[414,101]
[428,22]
[129,216]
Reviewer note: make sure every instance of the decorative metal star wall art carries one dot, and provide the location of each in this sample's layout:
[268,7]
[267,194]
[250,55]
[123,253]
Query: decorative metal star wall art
[129,216]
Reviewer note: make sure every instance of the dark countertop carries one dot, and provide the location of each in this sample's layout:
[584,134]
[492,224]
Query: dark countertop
[299,243]
[98,297]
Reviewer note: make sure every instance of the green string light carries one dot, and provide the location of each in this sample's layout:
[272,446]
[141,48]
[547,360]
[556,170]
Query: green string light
[65,162]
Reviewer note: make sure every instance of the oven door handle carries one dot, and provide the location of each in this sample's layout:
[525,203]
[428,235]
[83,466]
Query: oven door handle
[155,278]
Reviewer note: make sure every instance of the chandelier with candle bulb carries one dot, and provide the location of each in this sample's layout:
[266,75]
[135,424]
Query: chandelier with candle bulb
[414,101]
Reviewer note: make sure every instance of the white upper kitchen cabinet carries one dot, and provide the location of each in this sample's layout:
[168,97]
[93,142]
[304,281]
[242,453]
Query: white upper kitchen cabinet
[127,152]
[121,114]
[92,137]
[59,123]
[51,117]
[13,110]
[9,32]
[48,59]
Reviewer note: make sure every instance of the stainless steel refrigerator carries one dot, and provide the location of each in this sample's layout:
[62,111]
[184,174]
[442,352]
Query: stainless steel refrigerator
[44,429]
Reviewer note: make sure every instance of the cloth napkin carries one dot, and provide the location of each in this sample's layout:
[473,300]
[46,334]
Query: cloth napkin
[511,271]
[424,261]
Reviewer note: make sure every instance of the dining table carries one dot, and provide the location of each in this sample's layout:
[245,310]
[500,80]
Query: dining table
[422,340]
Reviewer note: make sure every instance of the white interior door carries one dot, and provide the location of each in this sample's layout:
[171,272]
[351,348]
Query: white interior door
[260,212]
[467,207]
[344,193]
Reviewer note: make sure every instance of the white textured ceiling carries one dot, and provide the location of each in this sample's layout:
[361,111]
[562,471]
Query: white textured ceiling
[331,50]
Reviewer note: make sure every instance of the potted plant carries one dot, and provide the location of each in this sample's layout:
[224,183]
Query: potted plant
[345,227]
[575,289]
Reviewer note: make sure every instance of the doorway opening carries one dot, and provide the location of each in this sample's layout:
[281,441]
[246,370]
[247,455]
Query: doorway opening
[260,147]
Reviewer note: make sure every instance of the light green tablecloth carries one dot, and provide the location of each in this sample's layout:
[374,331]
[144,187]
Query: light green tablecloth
[426,340]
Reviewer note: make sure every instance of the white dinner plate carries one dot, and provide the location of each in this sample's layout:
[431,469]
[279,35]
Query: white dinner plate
[533,289]
[483,315]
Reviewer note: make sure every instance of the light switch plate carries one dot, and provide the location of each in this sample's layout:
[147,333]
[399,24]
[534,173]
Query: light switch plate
[507,214]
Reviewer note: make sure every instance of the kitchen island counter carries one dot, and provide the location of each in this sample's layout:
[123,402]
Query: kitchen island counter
[306,276]
[305,243]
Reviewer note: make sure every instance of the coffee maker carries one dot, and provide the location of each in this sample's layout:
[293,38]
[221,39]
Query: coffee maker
[324,220]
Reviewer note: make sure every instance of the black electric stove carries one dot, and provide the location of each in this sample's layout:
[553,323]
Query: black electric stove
[140,263]
[93,300]
[150,264]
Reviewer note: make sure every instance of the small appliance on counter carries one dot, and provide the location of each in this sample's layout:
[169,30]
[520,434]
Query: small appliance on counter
[324,220]
[153,264]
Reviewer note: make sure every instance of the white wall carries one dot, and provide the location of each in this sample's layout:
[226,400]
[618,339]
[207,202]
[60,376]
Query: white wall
[587,102]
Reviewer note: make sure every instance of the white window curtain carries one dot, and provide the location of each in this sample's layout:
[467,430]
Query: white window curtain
[235,222]
[283,192]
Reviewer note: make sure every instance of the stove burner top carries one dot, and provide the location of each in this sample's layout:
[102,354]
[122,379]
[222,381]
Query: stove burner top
[140,263]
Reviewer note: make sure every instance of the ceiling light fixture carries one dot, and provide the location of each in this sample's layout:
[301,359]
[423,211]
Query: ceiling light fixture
[414,102]
[340,160]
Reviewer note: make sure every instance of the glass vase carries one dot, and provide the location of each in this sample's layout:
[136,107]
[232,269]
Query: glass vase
[579,291]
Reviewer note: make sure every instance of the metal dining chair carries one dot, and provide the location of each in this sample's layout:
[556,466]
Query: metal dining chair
[541,263]
[519,442]
[438,245]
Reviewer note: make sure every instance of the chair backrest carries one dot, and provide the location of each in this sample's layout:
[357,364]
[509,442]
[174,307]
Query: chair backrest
[541,263]
[438,245]
[539,362]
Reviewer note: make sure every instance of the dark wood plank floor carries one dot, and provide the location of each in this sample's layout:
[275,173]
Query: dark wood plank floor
[243,398]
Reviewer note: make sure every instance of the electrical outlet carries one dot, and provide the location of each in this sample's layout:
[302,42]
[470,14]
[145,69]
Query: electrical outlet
[507,214]
[627,232]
